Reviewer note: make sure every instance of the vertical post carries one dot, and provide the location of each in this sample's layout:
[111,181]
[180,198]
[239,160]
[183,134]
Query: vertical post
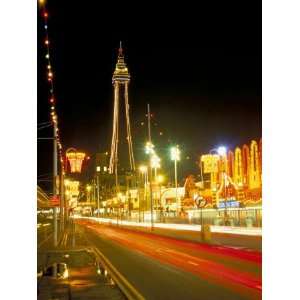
[54,181]
[151,198]
[139,196]
[149,123]
[98,197]
[176,197]
[201,173]
[150,171]
[62,200]
[66,199]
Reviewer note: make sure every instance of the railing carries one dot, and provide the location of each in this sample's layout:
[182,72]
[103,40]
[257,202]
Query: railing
[129,291]
[236,217]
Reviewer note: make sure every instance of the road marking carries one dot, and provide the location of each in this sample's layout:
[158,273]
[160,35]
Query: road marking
[192,263]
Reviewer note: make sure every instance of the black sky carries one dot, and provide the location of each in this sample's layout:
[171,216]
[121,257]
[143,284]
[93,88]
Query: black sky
[198,67]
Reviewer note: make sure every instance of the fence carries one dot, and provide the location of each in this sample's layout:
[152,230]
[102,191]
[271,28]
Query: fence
[241,217]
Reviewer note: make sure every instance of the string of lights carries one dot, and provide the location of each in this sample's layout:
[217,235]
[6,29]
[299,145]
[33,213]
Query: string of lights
[50,76]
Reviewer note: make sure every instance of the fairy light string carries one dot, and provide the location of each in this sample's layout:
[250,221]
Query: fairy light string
[50,77]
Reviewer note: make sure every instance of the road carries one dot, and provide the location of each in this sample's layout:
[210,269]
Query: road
[166,268]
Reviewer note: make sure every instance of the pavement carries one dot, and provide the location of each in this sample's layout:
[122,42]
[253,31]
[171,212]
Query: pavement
[87,279]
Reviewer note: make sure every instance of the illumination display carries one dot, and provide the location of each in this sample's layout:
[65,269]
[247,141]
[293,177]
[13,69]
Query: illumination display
[45,15]
[121,77]
[75,159]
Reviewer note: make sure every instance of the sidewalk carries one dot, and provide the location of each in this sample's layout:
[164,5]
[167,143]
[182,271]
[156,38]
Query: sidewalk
[87,279]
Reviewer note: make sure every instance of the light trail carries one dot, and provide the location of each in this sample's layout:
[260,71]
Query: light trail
[208,262]
[251,231]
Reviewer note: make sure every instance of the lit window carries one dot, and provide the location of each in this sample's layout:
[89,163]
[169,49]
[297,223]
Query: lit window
[98,169]
[105,169]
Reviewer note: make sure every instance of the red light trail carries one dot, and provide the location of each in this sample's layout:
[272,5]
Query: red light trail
[236,269]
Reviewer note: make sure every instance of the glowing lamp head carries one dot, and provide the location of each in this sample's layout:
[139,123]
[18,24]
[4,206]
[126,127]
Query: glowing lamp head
[143,169]
[160,178]
[149,148]
[175,153]
[155,161]
[222,150]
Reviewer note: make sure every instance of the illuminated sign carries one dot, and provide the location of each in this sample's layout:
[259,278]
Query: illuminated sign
[230,203]
[75,159]
[210,162]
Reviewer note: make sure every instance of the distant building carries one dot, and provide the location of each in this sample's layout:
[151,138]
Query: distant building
[101,163]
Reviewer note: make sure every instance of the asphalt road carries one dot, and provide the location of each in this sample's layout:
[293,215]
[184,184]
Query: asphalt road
[166,268]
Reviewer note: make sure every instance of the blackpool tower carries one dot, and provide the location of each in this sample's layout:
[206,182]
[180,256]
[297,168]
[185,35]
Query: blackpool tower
[120,82]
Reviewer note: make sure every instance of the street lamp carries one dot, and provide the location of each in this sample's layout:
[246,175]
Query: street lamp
[144,172]
[88,189]
[175,155]
[155,163]
[222,152]
[149,150]
[160,179]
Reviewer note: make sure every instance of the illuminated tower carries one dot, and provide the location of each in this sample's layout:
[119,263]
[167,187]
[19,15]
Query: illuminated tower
[120,81]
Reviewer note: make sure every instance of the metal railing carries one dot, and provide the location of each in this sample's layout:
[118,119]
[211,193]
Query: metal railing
[239,217]
[128,290]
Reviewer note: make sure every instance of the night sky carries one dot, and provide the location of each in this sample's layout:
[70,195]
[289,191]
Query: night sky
[198,67]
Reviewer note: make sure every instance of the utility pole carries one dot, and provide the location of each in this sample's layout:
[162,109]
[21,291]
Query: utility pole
[98,196]
[54,181]
[149,167]
[62,212]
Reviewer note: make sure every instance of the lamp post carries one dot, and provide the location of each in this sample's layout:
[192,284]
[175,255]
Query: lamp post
[88,189]
[222,152]
[149,150]
[144,172]
[175,155]
[155,164]
[160,180]
[98,196]
[66,198]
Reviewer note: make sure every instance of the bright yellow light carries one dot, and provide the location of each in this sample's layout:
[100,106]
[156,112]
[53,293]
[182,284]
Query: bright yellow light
[119,195]
[155,162]
[160,178]
[143,169]
[149,148]
[88,188]
[175,153]
[66,274]
[66,182]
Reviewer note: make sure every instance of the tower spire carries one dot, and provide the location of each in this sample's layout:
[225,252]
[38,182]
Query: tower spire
[120,49]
